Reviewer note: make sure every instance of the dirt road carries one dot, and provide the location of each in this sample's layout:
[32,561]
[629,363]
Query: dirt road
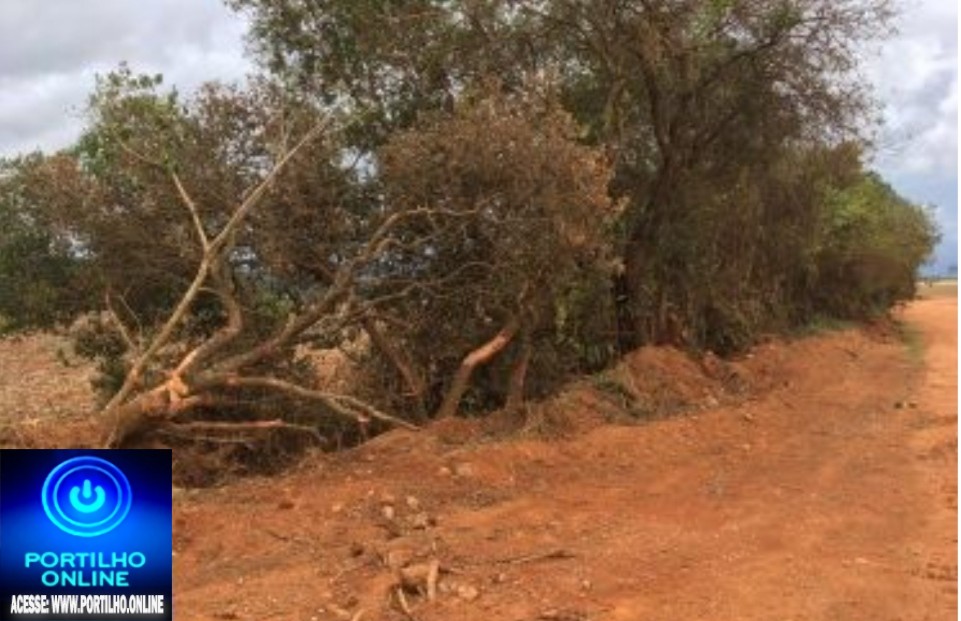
[831,495]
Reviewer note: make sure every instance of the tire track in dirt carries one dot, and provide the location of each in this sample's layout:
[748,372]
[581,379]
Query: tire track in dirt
[935,443]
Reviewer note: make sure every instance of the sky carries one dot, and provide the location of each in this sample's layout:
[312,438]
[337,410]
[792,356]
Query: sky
[51,50]
[915,76]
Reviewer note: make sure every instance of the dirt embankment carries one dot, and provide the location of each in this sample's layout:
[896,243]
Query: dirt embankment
[830,495]
[814,480]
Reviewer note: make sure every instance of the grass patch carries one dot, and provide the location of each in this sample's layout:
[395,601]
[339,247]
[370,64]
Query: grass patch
[913,342]
[614,386]
[822,325]
[934,289]
[615,389]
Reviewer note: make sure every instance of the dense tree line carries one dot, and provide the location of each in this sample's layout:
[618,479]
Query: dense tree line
[477,198]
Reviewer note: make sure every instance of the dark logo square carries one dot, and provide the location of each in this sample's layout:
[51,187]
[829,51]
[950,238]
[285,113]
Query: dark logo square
[85,535]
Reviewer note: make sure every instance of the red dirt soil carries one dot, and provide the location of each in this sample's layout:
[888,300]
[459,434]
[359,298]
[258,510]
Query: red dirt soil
[815,479]
[830,495]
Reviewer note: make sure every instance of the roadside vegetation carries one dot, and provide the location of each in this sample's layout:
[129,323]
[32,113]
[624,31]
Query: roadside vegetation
[472,201]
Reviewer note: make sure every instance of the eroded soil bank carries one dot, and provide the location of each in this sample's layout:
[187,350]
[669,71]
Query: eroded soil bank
[829,494]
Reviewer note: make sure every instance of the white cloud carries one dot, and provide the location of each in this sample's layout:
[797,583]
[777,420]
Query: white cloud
[916,77]
[51,50]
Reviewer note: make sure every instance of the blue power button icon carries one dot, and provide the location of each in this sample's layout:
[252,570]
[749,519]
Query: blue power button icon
[86,496]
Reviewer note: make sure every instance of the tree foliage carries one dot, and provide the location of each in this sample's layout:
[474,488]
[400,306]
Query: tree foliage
[478,199]
[696,101]
[42,279]
[873,243]
[231,231]
[537,228]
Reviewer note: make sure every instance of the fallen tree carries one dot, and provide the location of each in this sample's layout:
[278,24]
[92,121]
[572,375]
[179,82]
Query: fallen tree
[228,234]
[203,373]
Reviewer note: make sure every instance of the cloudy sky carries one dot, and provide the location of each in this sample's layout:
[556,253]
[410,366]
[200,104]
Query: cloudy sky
[916,78]
[50,51]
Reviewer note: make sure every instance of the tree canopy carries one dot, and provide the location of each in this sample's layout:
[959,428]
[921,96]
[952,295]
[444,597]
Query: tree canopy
[477,199]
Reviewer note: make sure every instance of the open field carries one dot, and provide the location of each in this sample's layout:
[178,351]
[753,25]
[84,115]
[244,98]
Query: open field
[824,488]
[938,289]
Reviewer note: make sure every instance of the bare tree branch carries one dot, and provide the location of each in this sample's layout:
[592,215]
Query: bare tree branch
[210,257]
[343,279]
[230,331]
[482,355]
[402,363]
[518,377]
[344,405]
[194,212]
[242,427]
[125,333]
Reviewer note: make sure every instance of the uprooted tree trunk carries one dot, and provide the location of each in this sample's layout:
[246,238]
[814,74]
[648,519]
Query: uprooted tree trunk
[206,373]
[213,372]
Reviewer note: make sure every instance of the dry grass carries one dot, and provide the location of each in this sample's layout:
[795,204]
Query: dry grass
[45,393]
[938,289]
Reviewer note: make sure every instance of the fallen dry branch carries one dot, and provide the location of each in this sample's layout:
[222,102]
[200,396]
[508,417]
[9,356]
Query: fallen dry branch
[402,603]
[556,554]
[343,571]
[559,554]
[249,426]
[345,405]
[421,577]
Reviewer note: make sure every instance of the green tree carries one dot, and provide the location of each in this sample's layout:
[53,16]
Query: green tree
[696,101]
[873,242]
[43,275]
